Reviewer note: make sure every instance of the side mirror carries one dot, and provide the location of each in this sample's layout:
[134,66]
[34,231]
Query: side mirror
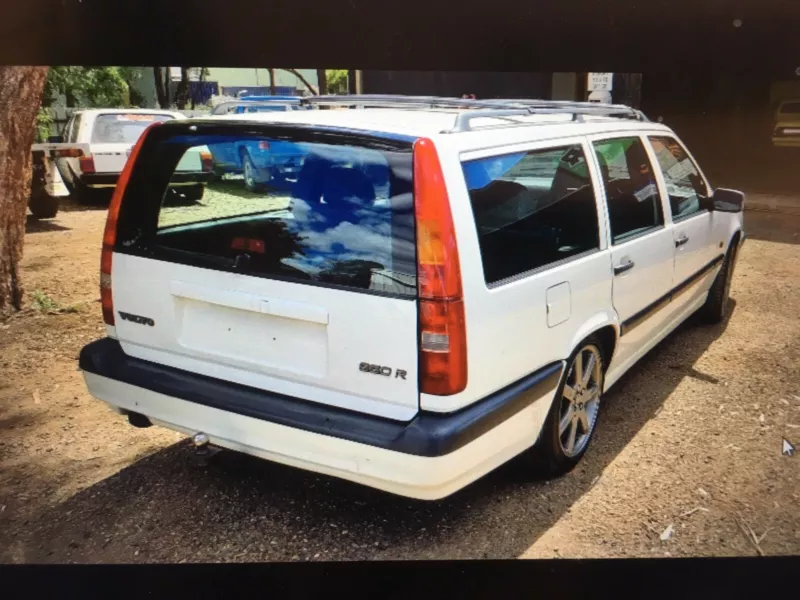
[731,201]
[55,139]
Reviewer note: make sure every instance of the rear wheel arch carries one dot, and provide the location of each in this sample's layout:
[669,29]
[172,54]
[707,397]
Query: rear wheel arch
[605,327]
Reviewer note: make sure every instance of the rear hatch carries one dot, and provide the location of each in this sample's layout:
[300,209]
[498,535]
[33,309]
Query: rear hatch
[114,134]
[309,291]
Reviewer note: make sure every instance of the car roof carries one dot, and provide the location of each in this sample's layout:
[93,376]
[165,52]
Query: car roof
[434,122]
[127,111]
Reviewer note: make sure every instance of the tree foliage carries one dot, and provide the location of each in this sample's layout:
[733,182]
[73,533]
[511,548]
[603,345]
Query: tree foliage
[337,81]
[89,86]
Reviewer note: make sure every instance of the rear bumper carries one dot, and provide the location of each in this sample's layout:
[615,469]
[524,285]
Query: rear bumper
[430,457]
[108,180]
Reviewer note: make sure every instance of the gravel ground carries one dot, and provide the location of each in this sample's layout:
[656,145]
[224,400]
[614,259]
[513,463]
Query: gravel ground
[689,440]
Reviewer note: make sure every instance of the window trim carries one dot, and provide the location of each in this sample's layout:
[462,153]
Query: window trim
[529,147]
[501,283]
[662,180]
[601,137]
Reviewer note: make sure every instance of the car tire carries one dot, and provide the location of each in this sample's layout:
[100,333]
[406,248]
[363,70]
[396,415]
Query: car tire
[194,193]
[43,205]
[564,439]
[715,309]
[249,172]
[87,196]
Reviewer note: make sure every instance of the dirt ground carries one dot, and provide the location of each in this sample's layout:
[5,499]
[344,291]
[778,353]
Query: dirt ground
[689,441]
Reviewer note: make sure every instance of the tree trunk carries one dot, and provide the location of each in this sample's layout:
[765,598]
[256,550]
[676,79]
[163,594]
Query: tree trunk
[161,94]
[167,81]
[273,85]
[182,93]
[305,81]
[352,88]
[20,98]
[322,79]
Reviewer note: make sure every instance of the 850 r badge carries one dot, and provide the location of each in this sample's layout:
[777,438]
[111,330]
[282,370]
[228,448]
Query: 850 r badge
[379,370]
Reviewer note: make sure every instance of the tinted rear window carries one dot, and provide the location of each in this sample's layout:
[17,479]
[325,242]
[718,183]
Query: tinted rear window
[123,128]
[532,209]
[331,212]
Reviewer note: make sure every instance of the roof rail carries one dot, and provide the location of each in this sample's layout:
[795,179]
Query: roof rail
[475,109]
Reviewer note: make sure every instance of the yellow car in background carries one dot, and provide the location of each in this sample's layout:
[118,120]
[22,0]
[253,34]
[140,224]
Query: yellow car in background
[787,125]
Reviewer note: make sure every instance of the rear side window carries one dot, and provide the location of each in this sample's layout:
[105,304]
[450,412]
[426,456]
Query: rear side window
[685,185]
[335,212]
[634,205]
[122,128]
[531,209]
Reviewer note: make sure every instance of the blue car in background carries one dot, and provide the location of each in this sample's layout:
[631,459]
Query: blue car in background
[263,163]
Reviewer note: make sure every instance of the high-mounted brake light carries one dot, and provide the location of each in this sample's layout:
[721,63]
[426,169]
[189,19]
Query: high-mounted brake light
[443,335]
[110,233]
[87,164]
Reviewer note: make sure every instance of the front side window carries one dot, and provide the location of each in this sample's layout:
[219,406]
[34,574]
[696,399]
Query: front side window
[71,133]
[685,185]
[634,206]
[531,209]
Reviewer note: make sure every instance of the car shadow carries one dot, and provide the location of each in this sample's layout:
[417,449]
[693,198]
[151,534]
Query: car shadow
[236,187]
[34,225]
[163,508]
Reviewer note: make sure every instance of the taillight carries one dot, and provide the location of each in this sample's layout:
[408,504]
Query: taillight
[263,145]
[110,233]
[69,152]
[207,161]
[443,335]
[87,164]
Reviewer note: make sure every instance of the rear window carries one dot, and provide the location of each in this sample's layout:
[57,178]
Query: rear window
[324,210]
[123,128]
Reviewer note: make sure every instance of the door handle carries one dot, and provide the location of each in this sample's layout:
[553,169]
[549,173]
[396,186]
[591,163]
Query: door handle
[681,240]
[619,269]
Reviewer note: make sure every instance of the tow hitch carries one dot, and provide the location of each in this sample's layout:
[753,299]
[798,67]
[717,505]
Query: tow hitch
[203,450]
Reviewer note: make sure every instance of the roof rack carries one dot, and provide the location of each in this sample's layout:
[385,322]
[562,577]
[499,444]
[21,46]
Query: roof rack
[228,106]
[480,109]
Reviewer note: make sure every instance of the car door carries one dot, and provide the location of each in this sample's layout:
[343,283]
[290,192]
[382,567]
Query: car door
[686,195]
[642,247]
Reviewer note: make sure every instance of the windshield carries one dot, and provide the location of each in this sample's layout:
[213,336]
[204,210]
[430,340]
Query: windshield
[123,128]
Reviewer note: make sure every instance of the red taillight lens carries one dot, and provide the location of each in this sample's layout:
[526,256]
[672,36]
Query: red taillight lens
[87,164]
[263,145]
[207,161]
[443,336]
[69,153]
[110,233]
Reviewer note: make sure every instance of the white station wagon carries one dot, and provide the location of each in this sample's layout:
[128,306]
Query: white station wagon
[445,285]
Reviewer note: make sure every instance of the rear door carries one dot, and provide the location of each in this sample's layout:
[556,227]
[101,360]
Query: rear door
[641,246]
[309,291]
[114,134]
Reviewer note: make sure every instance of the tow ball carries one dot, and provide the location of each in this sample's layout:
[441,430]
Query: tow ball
[203,450]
